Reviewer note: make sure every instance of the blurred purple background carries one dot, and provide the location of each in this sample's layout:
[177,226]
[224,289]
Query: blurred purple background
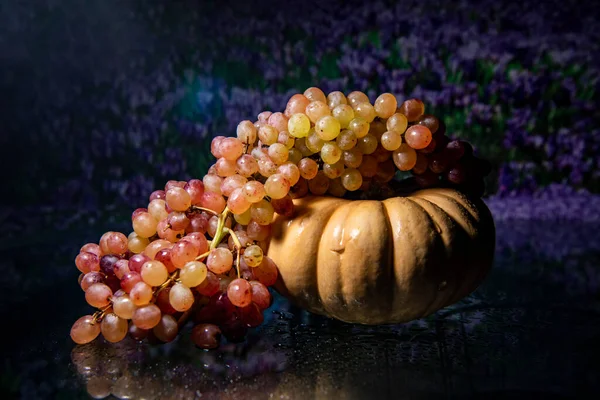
[107,100]
[104,101]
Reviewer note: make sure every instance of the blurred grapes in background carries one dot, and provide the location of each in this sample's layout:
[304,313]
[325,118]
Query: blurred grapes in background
[104,101]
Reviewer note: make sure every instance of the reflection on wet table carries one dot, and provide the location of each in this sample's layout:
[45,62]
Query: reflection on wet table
[529,331]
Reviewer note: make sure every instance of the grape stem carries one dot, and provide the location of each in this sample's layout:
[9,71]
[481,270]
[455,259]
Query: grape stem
[208,210]
[238,246]
[219,233]
[98,315]
[169,280]
[201,256]
[184,317]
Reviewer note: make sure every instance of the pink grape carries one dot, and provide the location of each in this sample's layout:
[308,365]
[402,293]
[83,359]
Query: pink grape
[136,262]
[212,183]
[157,195]
[308,168]
[116,243]
[286,139]
[85,330]
[209,286]
[215,146]
[296,104]
[167,329]
[335,99]
[266,166]
[173,183]
[238,203]
[144,225]
[156,246]
[247,165]
[246,132]
[181,297]
[316,109]
[183,252]
[266,272]
[198,223]
[141,294]
[231,148]
[418,136]
[87,262]
[257,231]
[231,183]
[146,317]
[165,232]
[219,261]
[92,248]
[268,134]
[262,212]
[200,240]
[120,268]
[225,167]
[98,295]
[164,256]
[264,116]
[163,302]
[260,295]
[129,280]
[254,191]
[135,213]
[276,186]
[278,121]
[178,220]
[195,188]
[290,172]
[90,278]
[315,94]
[239,292]
[213,201]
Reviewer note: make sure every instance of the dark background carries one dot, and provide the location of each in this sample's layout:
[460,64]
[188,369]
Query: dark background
[104,101]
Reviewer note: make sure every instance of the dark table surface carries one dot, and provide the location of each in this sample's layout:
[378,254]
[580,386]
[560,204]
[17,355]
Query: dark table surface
[530,331]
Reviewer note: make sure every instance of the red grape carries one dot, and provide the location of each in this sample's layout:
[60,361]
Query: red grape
[209,286]
[260,295]
[251,315]
[266,272]
[206,336]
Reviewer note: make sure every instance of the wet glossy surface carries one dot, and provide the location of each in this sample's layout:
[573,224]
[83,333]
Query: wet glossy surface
[531,330]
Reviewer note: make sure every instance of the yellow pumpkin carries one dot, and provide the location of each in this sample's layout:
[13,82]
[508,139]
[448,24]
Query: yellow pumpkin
[376,262]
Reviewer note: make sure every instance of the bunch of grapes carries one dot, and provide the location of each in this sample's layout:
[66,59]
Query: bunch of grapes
[182,252]
[198,247]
